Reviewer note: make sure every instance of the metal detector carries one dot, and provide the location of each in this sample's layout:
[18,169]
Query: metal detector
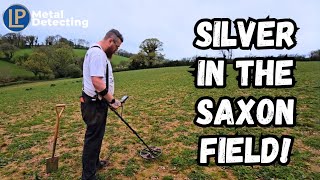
[151,152]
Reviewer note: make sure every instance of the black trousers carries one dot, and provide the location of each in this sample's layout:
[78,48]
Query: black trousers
[94,114]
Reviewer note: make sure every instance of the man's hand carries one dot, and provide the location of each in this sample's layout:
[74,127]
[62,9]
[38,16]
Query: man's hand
[116,104]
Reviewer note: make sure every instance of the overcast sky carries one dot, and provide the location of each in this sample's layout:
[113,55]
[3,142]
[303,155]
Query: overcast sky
[171,21]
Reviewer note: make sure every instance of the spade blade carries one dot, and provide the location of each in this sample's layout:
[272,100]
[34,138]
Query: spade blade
[52,164]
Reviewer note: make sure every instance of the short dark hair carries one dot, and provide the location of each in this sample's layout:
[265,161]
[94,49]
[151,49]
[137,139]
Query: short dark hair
[113,33]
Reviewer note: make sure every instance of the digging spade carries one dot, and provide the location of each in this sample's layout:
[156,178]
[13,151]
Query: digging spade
[52,163]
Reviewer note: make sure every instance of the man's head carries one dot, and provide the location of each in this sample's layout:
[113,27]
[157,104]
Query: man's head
[111,42]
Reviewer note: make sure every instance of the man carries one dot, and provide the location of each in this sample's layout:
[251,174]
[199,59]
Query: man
[98,90]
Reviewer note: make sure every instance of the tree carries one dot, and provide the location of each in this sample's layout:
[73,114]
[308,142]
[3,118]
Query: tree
[50,40]
[46,50]
[38,63]
[79,62]
[62,56]
[36,41]
[10,38]
[315,55]
[59,57]
[16,39]
[151,49]
[57,38]
[19,60]
[66,41]
[124,53]
[123,64]
[31,40]
[73,71]
[8,50]
[81,43]
[138,61]
[75,42]
[21,40]
[87,43]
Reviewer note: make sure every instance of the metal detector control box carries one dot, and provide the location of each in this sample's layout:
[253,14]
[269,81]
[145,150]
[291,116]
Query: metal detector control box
[123,99]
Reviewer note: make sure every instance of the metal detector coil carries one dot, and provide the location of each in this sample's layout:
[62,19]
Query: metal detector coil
[147,154]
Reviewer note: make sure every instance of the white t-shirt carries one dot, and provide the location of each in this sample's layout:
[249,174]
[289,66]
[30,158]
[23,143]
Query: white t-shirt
[95,64]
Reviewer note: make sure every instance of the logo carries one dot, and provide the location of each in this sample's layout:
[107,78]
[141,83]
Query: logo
[16,17]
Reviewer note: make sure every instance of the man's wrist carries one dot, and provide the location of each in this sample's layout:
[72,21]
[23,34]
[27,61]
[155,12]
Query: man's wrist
[113,101]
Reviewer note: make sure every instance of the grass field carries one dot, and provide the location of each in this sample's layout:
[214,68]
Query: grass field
[161,109]
[11,70]
[21,52]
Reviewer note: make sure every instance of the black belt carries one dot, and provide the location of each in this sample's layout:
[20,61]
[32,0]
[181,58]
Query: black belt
[88,98]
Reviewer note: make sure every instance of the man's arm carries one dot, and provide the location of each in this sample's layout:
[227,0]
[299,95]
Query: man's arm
[99,85]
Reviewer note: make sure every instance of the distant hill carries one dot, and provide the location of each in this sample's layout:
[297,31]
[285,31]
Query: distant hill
[79,53]
[10,72]
[115,59]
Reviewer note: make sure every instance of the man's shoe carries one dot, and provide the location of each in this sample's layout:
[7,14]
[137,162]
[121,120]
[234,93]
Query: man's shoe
[102,164]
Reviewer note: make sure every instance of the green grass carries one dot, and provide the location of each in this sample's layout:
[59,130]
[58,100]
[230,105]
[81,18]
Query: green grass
[11,70]
[21,52]
[167,178]
[199,175]
[161,109]
[118,59]
[80,52]
[131,168]
[313,142]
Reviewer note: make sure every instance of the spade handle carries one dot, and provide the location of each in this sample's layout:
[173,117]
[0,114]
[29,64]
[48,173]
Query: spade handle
[57,126]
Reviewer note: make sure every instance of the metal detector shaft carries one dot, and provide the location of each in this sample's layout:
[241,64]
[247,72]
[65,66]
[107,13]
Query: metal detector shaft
[151,151]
